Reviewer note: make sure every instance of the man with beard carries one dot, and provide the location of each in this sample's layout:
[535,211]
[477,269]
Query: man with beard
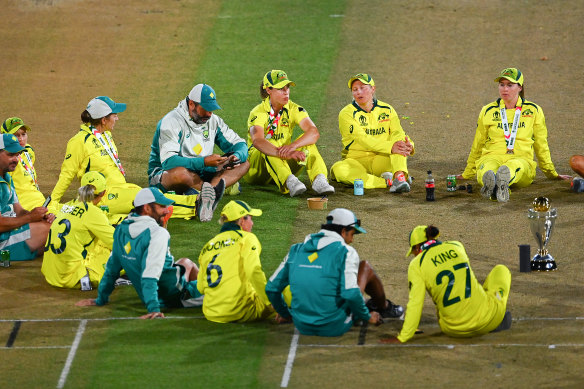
[141,248]
[182,157]
[23,233]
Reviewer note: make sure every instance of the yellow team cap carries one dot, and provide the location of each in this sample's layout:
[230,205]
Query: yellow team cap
[11,125]
[236,209]
[94,178]
[512,74]
[277,79]
[417,236]
[363,77]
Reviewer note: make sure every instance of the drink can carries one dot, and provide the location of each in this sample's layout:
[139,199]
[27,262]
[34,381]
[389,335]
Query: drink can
[4,258]
[104,208]
[451,183]
[170,192]
[358,187]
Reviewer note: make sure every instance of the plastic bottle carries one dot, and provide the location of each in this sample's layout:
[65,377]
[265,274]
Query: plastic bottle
[430,187]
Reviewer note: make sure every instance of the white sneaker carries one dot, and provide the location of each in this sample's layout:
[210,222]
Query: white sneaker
[321,186]
[489,185]
[387,175]
[503,177]
[294,185]
[399,187]
[205,202]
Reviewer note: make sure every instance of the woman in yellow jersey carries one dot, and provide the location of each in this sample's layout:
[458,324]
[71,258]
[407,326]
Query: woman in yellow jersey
[375,147]
[80,240]
[231,276]
[464,307]
[93,148]
[273,156]
[508,132]
[24,176]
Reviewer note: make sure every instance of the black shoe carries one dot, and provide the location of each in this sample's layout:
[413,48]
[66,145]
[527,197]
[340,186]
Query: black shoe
[505,323]
[392,311]
[219,190]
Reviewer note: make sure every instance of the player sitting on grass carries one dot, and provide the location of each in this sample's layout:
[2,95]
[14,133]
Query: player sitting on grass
[182,157]
[464,307]
[327,280]
[141,248]
[23,233]
[232,278]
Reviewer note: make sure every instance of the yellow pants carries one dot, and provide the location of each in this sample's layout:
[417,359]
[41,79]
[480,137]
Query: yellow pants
[264,169]
[522,170]
[95,262]
[368,167]
[120,198]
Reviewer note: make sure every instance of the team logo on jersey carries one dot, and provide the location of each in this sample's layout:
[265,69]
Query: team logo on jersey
[362,120]
[67,156]
[197,149]
[284,122]
[496,116]
[206,133]
[112,196]
[312,257]
[95,143]
[128,248]
[527,113]
[383,117]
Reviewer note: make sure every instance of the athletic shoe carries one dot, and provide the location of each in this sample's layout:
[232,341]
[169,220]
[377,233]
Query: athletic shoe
[503,177]
[399,187]
[393,311]
[489,185]
[387,175]
[205,201]
[295,186]
[219,190]
[577,185]
[321,186]
[233,190]
[505,323]
[122,280]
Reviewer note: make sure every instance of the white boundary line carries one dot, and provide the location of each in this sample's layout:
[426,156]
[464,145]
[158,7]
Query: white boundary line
[72,352]
[96,319]
[448,346]
[290,361]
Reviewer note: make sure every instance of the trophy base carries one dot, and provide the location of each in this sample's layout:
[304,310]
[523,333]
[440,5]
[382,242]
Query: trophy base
[543,263]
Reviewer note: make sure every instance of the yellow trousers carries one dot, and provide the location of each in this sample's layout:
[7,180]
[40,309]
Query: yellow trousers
[522,170]
[368,168]
[264,169]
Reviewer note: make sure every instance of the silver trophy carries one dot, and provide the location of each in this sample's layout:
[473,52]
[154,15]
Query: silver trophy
[541,221]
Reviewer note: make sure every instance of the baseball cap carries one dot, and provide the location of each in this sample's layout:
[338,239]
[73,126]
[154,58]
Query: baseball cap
[363,77]
[235,209]
[417,236]
[512,74]
[205,95]
[11,125]
[151,195]
[277,79]
[96,179]
[102,106]
[344,217]
[9,143]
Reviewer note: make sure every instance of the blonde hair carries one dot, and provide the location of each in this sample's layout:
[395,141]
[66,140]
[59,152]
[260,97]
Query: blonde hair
[87,193]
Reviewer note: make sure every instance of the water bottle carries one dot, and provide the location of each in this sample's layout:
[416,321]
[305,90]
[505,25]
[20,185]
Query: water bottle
[430,187]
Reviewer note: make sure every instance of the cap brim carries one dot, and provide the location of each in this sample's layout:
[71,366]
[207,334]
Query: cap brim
[14,148]
[166,201]
[282,84]
[506,78]
[360,230]
[255,212]
[119,107]
[210,106]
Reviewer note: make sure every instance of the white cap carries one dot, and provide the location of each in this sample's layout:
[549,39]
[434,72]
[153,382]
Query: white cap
[102,106]
[344,217]
[151,195]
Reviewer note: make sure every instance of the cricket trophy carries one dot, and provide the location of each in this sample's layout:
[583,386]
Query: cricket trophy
[541,221]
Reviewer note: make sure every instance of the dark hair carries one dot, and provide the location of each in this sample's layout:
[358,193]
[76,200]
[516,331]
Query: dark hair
[263,92]
[431,232]
[86,118]
[522,92]
[139,210]
[335,228]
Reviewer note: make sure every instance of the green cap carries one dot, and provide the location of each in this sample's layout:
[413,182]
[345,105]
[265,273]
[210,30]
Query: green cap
[11,125]
[277,79]
[512,74]
[363,77]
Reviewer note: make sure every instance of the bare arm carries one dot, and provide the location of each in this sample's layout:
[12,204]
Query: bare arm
[310,137]
[23,217]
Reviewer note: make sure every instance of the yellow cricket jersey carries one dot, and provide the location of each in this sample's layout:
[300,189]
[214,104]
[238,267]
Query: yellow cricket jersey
[230,275]
[24,177]
[368,133]
[85,153]
[531,136]
[462,306]
[292,114]
[72,235]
